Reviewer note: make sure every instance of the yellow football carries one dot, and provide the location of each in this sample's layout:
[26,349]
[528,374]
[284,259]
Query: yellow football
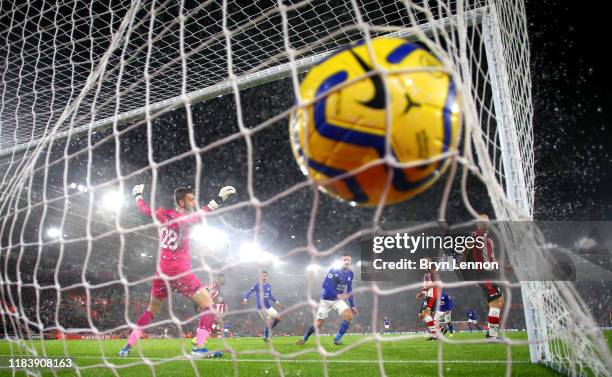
[345,128]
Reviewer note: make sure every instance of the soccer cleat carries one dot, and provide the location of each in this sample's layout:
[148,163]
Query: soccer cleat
[300,342]
[204,353]
[267,340]
[338,342]
[194,342]
[494,339]
[124,352]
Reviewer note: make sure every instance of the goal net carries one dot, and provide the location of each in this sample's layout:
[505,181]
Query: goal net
[97,97]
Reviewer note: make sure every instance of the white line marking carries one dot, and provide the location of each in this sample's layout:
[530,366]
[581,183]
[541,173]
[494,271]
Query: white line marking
[227,358]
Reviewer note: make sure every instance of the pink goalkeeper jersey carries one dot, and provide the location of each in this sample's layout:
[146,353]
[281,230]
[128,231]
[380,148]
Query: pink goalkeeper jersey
[173,237]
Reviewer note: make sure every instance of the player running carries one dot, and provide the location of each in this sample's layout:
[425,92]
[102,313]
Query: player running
[430,293]
[337,287]
[492,292]
[263,297]
[174,269]
[472,320]
[443,315]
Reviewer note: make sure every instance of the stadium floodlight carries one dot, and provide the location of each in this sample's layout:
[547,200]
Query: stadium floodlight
[53,232]
[73,185]
[82,188]
[313,267]
[143,255]
[253,252]
[112,201]
[212,237]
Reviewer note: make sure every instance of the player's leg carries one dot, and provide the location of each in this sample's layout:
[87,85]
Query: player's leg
[191,287]
[203,303]
[272,318]
[347,316]
[322,313]
[449,323]
[425,315]
[159,292]
[495,300]
[441,323]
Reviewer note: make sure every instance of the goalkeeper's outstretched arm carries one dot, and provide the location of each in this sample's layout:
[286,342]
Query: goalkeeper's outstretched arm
[215,203]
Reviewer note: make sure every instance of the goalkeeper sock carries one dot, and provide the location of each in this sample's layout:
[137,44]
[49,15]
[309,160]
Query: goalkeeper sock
[343,327]
[275,322]
[451,328]
[431,325]
[494,321]
[144,320]
[309,331]
[201,336]
[204,327]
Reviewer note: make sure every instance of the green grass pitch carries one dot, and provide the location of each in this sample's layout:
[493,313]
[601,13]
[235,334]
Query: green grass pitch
[406,357]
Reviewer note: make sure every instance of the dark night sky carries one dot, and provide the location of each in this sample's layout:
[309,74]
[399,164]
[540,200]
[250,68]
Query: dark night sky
[572,96]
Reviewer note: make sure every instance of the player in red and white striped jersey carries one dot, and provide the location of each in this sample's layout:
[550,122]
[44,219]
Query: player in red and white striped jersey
[430,292]
[492,291]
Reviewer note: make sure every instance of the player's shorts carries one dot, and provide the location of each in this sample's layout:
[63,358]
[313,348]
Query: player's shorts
[325,306]
[268,313]
[187,285]
[444,317]
[472,321]
[429,303]
[491,291]
[387,327]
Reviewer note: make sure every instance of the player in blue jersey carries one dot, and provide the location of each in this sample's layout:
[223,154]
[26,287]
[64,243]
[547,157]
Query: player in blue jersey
[226,329]
[472,320]
[443,315]
[337,287]
[387,325]
[264,297]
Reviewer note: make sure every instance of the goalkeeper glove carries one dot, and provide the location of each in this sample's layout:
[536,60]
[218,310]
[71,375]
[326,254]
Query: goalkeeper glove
[225,193]
[137,191]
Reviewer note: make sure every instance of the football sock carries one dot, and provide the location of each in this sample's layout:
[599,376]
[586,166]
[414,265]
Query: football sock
[343,327]
[144,320]
[201,336]
[431,326]
[309,331]
[204,327]
[494,321]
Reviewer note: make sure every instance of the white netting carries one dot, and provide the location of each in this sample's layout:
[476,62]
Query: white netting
[88,97]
